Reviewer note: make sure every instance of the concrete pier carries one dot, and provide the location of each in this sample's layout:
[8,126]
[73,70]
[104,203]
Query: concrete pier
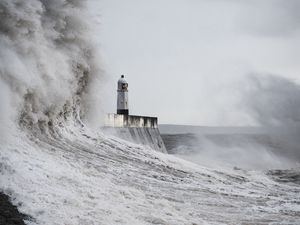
[138,129]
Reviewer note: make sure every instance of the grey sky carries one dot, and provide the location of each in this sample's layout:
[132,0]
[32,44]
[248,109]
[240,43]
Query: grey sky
[188,61]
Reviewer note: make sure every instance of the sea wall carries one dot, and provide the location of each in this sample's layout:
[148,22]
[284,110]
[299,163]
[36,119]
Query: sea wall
[120,120]
[138,129]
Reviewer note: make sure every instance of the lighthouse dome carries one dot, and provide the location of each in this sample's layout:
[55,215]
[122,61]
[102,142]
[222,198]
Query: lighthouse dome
[122,84]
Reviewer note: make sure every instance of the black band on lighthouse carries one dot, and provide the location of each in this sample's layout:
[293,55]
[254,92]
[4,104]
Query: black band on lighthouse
[123,111]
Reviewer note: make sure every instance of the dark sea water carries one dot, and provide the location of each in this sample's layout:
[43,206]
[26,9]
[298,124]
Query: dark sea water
[247,147]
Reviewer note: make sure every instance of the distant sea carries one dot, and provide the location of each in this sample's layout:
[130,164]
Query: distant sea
[245,147]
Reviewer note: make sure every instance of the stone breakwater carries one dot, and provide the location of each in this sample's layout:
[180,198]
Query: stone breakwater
[138,129]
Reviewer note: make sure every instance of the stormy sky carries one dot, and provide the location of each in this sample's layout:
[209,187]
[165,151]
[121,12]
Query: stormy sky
[203,62]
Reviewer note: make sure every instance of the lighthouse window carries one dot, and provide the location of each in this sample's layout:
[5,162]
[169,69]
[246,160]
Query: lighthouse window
[124,86]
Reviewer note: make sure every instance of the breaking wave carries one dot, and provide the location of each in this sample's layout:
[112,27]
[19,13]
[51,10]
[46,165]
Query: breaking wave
[47,63]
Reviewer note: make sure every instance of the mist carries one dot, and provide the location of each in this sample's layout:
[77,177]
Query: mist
[48,67]
[272,100]
[257,150]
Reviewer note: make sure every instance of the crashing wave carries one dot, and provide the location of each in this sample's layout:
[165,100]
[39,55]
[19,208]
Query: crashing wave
[47,60]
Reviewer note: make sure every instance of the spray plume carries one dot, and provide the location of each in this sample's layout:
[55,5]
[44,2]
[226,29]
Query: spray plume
[46,60]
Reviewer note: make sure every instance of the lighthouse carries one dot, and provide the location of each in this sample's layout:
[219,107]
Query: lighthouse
[122,101]
[139,129]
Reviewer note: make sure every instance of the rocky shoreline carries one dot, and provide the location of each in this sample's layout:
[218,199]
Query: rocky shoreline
[9,214]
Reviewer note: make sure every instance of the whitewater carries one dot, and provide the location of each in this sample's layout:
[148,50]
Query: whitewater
[57,169]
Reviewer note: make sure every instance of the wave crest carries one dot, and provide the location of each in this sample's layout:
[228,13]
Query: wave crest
[46,59]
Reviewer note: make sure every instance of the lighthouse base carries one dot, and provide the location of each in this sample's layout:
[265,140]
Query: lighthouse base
[138,129]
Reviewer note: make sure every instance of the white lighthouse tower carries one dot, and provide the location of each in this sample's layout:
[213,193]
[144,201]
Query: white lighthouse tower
[139,129]
[122,102]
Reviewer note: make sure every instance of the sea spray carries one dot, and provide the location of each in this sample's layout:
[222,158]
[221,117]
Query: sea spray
[46,59]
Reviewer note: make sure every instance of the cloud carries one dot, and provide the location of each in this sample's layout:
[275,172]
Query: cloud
[270,18]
